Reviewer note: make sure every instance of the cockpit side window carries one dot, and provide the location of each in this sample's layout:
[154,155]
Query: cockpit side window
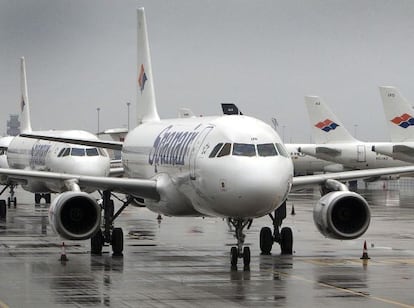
[77,152]
[92,152]
[67,152]
[281,149]
[215,150]
[102,152]
[61,152]
[244,149]
[225,150]
[266,149]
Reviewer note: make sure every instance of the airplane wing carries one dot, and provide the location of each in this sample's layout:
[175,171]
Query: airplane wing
[328,151]
[407,150]
[114,145]
[138,187]
[309,180]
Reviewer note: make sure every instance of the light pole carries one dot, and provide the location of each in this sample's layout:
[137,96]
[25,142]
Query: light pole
[128,103]
[98,109]
[355,130]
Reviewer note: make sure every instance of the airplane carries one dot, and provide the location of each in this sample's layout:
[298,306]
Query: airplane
[398,112]
[29,154]
[230,166]
[333,142]
[302,164]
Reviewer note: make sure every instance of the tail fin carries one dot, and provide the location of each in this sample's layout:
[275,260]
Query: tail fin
[146,104]
[399,114]
[25,126]
[326,126]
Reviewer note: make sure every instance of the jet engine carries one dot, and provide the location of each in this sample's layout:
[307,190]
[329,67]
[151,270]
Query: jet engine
[342,215]
[75,215]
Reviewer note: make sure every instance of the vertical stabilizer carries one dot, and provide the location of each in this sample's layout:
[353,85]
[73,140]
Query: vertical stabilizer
[326,126]
[146,105]
[25,126]
[399,114]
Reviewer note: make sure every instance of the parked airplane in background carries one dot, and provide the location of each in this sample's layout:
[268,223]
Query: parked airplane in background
[230,166]
[40,155]
[335,143]
[399,114]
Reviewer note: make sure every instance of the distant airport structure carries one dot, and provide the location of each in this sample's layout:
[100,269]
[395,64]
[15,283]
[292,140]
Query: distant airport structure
[13,125]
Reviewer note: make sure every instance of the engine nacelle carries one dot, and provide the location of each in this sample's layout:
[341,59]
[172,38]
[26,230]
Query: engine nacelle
[75,215]
[342,215]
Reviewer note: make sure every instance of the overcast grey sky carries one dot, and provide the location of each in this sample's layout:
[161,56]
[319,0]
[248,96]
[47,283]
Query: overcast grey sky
[263,55]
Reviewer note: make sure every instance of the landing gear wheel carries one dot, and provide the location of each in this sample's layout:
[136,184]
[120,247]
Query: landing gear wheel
[14,201]
[47,198]
[11,200]
[38,197]
[3,209]
[234,255]
[97,242]
[266,240]
[8,202]
[286,241]
[117,242]
[246,258]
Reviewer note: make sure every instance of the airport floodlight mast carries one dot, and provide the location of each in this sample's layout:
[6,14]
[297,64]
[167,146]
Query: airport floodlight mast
[128,104]
[98,109]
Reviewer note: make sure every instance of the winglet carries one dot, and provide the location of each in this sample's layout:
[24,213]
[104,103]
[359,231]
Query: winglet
[399,114]
[25,126]
[326,126]
[146,104]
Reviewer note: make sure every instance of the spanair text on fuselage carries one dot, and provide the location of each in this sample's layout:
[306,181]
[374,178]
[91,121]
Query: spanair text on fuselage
[41,155]
[178,153]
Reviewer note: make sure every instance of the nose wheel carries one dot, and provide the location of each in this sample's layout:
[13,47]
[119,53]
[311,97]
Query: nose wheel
[240,252]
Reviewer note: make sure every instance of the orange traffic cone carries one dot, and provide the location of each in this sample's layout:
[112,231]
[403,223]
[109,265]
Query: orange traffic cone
[63,253]
[365,252]
[293,213]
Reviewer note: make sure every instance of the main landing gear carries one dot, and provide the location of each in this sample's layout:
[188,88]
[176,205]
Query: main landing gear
[239,251]
[284,237]
[40,196]
[108,234]
[10,200]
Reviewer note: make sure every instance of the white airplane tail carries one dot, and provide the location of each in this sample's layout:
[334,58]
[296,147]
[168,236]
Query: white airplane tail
[399,114]
[25,125]
[326,127]
[146,104]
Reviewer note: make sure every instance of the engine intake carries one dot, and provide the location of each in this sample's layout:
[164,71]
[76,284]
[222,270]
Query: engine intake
[75,215]
[343,215]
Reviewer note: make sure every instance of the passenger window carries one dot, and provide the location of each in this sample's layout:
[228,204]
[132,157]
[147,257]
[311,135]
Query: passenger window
[225,150]
[67,152]
[266,149]
[61,152]
[92,152]
[281,149]
[77,152]
[215,150]
[244,149]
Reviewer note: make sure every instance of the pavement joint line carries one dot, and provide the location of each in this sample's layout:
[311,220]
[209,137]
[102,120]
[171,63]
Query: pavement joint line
[361,294]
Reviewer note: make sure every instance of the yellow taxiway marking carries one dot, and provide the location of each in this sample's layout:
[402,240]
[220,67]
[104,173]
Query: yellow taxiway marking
[3,305]
[353,292]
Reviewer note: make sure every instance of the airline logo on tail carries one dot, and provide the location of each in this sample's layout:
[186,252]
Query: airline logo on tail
[142,78]
[326,125]
[404,120]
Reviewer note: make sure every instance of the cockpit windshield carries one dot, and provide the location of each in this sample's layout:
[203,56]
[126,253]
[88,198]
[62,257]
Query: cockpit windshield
[266,149]
[244,149]
[81,152]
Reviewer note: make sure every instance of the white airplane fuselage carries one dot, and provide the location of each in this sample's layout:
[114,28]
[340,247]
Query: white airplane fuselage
[352,155]
[41,155]
[177,153]
[4,145]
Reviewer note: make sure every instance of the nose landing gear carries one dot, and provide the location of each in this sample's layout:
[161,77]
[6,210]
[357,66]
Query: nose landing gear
[239,251]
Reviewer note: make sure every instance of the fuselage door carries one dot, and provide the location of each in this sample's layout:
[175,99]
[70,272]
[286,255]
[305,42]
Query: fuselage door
[361,157]
[195,151]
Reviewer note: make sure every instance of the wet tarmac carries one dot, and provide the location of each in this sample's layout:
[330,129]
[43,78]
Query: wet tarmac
[184,262]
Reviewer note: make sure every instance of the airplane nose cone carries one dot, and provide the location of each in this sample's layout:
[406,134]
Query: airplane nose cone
[93,166]
[252,190]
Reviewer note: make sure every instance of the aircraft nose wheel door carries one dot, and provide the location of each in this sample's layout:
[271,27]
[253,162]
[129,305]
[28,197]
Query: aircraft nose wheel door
[195,150]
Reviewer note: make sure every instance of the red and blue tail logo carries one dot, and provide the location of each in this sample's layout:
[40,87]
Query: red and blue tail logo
[142,78]
[22,104]
[326,125]
[404,120]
